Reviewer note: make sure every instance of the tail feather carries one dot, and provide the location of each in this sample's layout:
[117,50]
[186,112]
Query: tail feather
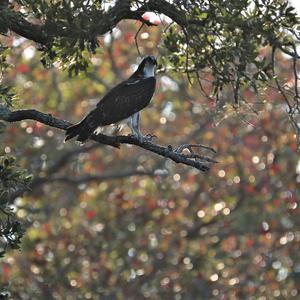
[72,131]
[82,130]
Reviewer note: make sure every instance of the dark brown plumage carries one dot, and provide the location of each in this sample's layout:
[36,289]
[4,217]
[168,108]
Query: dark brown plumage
[120,103]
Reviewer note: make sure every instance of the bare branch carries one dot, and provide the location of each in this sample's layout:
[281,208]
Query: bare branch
[279,87]
[195,161]
[136,39]
[47,178]
[190,146]
[293,101]
[99,177]
[113,64]
[67,156]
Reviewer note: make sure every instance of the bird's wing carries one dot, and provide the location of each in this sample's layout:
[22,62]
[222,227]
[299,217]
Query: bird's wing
[122,101]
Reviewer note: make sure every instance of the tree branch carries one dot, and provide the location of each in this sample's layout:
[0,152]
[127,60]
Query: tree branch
[47,178]
[15,22]
[97,177]
[67,156]
[102,22]
[196,161]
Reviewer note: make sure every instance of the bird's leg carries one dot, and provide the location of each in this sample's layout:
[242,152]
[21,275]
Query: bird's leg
[135,126]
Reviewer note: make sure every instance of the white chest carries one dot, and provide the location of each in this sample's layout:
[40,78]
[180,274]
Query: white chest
[149,71]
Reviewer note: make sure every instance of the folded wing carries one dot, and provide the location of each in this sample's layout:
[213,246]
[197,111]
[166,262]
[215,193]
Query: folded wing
[121,102]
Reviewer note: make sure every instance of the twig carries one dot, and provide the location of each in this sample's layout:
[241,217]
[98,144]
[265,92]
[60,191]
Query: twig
[135,39]
[99,177]
[277,81]
[190,146]
[47,178]
[113,64]
[67,156]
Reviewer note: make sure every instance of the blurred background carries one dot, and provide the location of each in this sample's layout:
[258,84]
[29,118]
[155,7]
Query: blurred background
[105,223]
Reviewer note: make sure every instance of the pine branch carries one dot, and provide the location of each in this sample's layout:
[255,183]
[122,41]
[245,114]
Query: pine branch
[178,155]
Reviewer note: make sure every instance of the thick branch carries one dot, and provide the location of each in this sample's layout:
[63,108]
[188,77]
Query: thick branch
[16,22]
[115,141]
[168,9]
[101,23]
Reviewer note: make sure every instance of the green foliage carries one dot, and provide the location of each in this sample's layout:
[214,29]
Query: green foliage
[3,58]
[71,30]
[225,39]
[7,96]
[12,178]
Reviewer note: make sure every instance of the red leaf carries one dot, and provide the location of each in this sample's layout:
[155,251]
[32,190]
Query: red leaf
[91,214]
[23,68]
[250,243]
[5,273]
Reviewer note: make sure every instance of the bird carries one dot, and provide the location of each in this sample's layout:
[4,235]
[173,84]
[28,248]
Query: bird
[121,105]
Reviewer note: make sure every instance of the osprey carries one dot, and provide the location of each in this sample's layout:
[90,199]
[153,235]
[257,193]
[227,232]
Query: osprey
[120,105]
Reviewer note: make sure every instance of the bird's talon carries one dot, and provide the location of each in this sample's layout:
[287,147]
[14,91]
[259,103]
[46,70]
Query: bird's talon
[143,138]
[152,136]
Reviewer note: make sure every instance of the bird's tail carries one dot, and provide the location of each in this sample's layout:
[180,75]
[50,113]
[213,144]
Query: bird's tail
[82,129]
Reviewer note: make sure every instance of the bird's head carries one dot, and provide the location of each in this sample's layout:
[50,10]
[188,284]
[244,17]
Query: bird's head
[150,60]
[147,66]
